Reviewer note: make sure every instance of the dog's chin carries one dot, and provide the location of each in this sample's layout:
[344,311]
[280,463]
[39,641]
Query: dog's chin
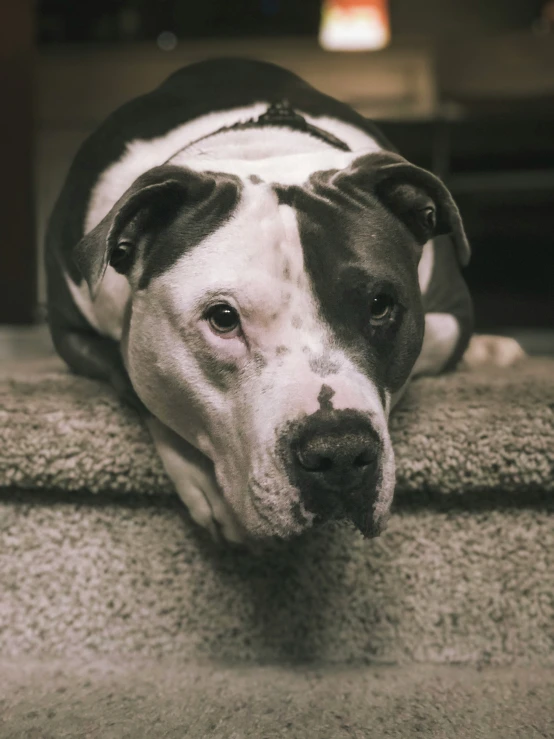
[266,531]
[369,526]
[349,506]
[266,525]
[363,521]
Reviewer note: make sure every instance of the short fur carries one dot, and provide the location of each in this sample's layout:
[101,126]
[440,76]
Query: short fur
[185,199]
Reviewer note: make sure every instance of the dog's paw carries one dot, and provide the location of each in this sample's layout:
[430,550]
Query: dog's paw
[193,476]
[498,351]
[209,509]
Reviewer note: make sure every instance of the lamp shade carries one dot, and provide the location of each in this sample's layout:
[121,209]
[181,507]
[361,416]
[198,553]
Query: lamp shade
[354,25]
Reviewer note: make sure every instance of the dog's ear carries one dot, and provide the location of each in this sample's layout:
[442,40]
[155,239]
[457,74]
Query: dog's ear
[152,202]
[417,197]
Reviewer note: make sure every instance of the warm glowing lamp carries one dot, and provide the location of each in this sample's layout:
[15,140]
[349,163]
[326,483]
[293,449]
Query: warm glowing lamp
[354,25]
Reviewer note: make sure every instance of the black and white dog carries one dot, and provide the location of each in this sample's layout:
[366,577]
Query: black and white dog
[249,261]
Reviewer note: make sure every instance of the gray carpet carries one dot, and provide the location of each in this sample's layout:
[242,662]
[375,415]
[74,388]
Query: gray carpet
[467,432]
[442,584]
[98,557]
[146,700]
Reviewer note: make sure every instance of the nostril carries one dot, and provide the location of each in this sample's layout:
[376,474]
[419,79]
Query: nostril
[334,460]
[313,462]
[360,461]
[314,458]
[364,459]
[325,463]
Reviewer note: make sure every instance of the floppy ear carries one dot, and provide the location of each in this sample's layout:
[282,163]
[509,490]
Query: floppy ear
[418,198]
[151,202]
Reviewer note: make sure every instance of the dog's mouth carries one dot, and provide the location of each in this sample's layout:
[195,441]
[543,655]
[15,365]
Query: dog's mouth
[353,508]
[276,521]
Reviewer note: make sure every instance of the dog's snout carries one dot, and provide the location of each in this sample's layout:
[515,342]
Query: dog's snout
[340,459]
[336,455]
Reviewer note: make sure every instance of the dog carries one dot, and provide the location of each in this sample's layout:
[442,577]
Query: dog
[251,264]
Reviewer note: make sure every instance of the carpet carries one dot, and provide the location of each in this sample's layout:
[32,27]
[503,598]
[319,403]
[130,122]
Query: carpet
[482,431]
[98,557]
[146,700]
[136,577]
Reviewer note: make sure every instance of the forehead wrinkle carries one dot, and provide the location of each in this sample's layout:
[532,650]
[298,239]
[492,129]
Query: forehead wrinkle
[241,241]
[244,259]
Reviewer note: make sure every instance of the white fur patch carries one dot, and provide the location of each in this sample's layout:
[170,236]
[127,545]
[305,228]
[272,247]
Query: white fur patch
[497,351]
[442,332]
[425,266]
[194,480]
[287,157]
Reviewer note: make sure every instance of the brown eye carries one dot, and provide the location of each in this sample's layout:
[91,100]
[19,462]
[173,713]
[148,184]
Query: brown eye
[381,308]
[121,254]
[429,216]
[223,319]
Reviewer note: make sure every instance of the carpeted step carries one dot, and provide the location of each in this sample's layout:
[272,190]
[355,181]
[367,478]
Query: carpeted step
[146,700]
[442,584]
[465,432]
[98,557]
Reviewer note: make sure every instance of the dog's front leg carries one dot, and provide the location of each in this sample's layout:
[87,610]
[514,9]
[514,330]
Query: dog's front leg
[192,473]
[496,351]
[442,333]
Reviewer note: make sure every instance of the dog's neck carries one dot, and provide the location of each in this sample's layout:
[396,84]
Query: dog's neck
[251,145]
[284,157]
[279,145]
[277,133]
[280,130]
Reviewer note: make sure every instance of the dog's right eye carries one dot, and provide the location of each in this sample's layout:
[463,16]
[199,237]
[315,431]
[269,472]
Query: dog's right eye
[121,255]
[223,318]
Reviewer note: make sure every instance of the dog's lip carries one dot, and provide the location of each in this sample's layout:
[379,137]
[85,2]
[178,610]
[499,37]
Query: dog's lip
[347,501]
[363,518]
[273,529]
[371,526]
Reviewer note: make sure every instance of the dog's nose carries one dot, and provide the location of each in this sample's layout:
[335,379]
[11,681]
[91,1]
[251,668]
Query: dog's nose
[336,455]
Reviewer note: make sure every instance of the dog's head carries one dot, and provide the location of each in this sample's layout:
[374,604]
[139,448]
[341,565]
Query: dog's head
[269,325]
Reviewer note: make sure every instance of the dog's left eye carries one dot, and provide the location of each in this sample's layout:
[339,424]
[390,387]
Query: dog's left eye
[223,318]
[381,309]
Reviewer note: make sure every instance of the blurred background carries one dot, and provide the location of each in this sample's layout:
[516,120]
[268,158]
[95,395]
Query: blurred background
[462,87]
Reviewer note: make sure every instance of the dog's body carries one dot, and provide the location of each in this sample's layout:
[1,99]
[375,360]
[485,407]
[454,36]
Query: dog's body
[249,260]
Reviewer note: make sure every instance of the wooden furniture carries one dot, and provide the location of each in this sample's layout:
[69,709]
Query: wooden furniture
[18,261]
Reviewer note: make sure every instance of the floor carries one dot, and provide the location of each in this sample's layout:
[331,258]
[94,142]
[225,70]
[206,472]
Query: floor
[144,700]
[28,345]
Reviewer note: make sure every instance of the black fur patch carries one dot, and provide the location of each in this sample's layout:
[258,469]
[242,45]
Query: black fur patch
[324,398]
[204,209]
[354,248]
[166,212]
[323,365]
